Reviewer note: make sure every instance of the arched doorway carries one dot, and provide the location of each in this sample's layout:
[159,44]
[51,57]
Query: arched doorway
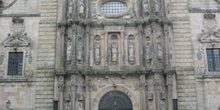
[115,100]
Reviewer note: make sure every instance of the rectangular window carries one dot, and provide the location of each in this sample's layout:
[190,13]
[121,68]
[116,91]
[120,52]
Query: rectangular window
[213,58]
[55,105]
[175,104]
[15,63]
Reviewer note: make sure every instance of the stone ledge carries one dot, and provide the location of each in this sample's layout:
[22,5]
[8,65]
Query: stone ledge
[17,80]
[208,75]
[21,15]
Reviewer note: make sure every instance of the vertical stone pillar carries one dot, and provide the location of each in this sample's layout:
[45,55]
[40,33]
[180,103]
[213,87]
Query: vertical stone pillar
[143,92]
[141,31]
[170,89]
[157,87]
[61,90]
[73,85]
[87,45]
[88,93]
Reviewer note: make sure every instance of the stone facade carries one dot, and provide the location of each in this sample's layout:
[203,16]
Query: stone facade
[76,54]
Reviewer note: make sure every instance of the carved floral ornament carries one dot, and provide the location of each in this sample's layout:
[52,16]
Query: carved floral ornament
[6,5]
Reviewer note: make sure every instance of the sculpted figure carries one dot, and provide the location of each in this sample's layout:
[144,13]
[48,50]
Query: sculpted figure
[145,7]
[150,106]
[80,107]
[156,6]
[148,53]
[162,104]
[97,53]
[69,52]
[131,51]
[80,50]
[159,51]
[114,53]
[67,107]
[81,8]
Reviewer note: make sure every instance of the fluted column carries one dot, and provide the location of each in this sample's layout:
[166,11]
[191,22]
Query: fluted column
[61,89]
[141,34]
[73,86]
[157,87]
[88,93]
[143,92]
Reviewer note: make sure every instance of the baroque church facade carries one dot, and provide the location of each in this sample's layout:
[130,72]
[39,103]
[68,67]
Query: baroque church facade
[109,55]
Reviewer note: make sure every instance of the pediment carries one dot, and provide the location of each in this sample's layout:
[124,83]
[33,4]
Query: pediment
[210,37]
[13,41]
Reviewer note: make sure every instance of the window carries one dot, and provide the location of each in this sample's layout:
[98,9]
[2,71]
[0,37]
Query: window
[175,104]
[15,63]
[213,58]
[113,8]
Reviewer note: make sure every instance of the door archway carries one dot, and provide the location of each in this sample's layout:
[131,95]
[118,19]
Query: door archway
[115,100]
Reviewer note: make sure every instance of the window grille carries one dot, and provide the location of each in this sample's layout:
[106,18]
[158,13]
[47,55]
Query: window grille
[113,7]
[213,58]
[15,63]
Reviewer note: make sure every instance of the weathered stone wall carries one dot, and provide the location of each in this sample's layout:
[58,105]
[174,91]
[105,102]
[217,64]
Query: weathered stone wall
[183,55]
[46,55]
[207,82]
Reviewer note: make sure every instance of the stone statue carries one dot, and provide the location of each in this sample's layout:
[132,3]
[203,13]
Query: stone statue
[150,106]
[114,53]
[80,107]
[80,51]
[81,8]
[145,7]
[131,52]
[97,53]
[67,106]
[163,106]
[159,51]
[148,52]
[156,6]
[69,52]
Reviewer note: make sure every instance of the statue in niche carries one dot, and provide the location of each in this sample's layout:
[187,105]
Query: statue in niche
[156,6]
[148,52]
[97,53]
[67,106]
[159,51]
[162,104]
[114,53]
[145,7]
[80,51]
[131,52]
[81,8]
[69,52]
[150,106]
[80,107]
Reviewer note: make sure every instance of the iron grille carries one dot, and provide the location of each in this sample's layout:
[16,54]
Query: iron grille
[113,7]
[15,63]
[115,100]
[213,58]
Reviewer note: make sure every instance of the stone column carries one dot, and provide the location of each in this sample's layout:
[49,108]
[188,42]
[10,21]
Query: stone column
[143,92]
[73,85]
[88,93]
[170,89]
[87,45]
[61,89]
[157,87]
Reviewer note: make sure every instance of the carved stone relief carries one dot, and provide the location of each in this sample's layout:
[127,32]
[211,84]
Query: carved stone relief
[81,9]
[131,52]
[69,51]
[28,56]
[114,53]
[80,107]
[156,7]
[80,50]
[97,53]
[2,55]
[150,106]
[159,50]
[145,7]
[3,6]
[148,52]
[61,83]
[162,105]
[67,106]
